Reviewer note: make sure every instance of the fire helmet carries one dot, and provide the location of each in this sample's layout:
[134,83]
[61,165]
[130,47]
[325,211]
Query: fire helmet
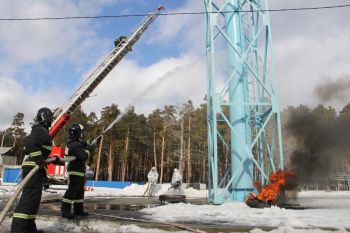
[76,131]
[44,115]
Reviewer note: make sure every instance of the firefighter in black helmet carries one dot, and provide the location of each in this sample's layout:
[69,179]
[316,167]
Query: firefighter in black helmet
[80,152]
[37,147]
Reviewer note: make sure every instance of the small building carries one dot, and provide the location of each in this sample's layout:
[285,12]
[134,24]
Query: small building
[7,156]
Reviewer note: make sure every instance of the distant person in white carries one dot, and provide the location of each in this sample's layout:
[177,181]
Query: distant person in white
[176,181]
[152,177]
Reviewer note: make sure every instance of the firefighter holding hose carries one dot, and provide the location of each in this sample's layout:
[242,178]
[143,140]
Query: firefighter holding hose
[79,151]
[37,147]
[176,182]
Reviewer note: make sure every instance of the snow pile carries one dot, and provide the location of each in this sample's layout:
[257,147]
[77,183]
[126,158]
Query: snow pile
[103,192]
[191,192]
[293,230]
[6,192]
[134,228]
[324,211]
[133,190]
[62,225]
[139,190]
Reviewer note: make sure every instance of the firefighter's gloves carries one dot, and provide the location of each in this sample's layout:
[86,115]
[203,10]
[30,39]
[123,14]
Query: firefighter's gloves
[41,163]
[57,161]
[176,184]
[96,141]
[89,145]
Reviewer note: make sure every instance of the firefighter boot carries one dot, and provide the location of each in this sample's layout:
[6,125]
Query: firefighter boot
[66,210]
[79,209]
[31,227]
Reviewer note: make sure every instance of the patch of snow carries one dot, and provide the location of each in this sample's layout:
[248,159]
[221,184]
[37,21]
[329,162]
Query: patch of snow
[294,230]
[334,214]
[324,210]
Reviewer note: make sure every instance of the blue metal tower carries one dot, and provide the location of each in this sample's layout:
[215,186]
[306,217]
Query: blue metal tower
[242,99]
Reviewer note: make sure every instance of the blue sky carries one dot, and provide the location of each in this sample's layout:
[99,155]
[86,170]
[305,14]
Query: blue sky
[43,62]
[62,73]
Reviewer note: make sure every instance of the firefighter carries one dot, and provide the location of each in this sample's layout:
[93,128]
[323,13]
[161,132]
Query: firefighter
[37,147]
[152,177]
[120,41]
[176,181]
[80,151]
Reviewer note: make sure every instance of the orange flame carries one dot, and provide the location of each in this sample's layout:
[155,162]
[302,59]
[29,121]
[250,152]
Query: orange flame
[277,180]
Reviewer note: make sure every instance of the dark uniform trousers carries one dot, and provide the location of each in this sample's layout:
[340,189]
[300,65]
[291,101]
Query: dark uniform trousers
[28,205]
[74,194]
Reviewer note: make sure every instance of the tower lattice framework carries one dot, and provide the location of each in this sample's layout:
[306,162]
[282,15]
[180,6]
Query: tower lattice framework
[244,126]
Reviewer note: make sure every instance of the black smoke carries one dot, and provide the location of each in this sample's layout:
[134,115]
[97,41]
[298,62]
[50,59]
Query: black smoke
[321,142]
[330,90]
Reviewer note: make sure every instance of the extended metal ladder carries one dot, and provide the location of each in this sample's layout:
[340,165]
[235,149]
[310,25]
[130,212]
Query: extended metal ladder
[62,115]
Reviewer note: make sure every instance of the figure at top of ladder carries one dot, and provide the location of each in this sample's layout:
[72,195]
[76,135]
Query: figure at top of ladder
[122,46]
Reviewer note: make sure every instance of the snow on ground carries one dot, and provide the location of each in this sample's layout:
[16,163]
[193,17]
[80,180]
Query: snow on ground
[55,226]
[131,190]
[6,192]
[239,214]
[323,210]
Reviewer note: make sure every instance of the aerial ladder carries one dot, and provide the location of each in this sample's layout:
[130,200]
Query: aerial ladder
[123,45]
[62,115]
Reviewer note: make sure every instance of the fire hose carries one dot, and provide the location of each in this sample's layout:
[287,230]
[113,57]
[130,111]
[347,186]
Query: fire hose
[119,117]
[19,189]
[49,160]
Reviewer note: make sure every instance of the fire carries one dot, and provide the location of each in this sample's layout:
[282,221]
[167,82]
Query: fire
[270,193]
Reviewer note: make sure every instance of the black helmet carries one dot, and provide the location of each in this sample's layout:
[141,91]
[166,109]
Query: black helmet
[76,131]
[44,115]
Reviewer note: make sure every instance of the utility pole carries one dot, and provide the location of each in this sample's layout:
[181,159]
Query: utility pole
[1,147]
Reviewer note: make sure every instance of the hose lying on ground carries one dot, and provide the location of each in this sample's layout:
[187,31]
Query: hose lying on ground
[19,189]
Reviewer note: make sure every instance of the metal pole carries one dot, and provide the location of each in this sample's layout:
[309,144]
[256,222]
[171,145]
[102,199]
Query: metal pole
[243,183]
[2,143]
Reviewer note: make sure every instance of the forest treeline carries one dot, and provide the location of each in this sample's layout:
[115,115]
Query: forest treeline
[169,137]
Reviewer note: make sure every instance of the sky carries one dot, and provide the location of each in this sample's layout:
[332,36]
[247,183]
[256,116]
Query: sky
[43,62]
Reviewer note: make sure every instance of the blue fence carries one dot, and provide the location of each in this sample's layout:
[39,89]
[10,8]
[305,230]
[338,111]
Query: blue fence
[11,174]
[110,184]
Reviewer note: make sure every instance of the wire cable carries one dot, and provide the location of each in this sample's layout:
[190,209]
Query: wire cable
[175,13]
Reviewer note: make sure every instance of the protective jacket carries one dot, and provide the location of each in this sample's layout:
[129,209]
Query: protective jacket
[37,147]
[76,148]
[152,176]
[176,180]
[74,196]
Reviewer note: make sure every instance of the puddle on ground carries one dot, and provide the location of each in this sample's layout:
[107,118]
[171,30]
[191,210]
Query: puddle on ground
[97,206]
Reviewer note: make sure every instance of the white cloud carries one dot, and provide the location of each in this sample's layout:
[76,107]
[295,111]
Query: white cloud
[14,98]
[31,42]
[184,31]
[42,44]
[169,81]
[308,45]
